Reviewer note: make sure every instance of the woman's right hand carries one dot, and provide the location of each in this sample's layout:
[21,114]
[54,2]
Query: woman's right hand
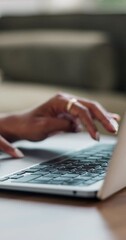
[59,113]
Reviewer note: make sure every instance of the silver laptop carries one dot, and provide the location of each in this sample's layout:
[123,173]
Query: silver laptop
[93,171]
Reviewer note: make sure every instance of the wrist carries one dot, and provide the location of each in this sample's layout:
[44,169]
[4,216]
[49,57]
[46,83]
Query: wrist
[8,124]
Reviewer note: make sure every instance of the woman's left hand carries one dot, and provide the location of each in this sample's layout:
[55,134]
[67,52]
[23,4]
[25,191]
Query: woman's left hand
[58,114]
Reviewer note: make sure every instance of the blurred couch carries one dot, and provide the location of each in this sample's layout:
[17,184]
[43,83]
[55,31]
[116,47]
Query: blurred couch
[110,22]
[67,58]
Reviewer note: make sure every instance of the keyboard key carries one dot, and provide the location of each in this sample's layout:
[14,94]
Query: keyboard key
[70,175]
[15,177]
[4,179]
[62,178]
[30,170]
[39,181]
[43,172]
[57,182]
[52,175]
[83,178]
[76,182]
[25,178]
[43,178]
[39,166]
[89,182]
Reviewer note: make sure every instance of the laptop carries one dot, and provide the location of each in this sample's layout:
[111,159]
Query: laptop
[93,171]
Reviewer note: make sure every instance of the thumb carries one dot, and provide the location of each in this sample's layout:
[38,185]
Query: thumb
[6,147]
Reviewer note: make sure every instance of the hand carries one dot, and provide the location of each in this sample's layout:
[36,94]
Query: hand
[51,117]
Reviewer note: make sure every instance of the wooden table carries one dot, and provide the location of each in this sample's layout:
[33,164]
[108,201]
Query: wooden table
[40,217]
[37,217]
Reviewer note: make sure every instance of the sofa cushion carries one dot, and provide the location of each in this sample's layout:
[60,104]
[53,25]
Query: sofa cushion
[70,58]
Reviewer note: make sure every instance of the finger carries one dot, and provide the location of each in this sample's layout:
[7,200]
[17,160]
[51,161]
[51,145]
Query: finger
[102,115]
[115,116]
[60,103]
[78,111]
[81,112]
[98,112]
[6,147]
[77,126]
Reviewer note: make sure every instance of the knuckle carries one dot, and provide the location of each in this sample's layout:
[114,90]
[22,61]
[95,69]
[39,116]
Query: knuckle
[95,105]
[59,95]
[86,111]
[63,95]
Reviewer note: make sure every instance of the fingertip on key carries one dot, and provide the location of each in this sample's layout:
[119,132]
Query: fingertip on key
[114,125]
[97,136]
[18,153]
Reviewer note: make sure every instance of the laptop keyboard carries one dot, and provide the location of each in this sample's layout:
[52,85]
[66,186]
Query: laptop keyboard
[80,168]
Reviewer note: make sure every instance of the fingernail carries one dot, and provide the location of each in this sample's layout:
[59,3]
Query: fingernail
[114,125]
[18,153]
[97,136]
